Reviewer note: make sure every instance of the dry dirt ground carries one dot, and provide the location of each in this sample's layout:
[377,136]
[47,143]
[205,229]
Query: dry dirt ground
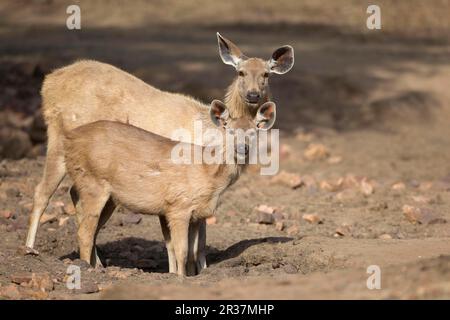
[364,138]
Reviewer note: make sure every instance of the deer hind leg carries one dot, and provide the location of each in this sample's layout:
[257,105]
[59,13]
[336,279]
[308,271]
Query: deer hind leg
[93,201]
[107,212]
[54,172]
[169,245]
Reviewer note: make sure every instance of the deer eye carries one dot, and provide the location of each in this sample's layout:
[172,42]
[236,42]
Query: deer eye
[241,73]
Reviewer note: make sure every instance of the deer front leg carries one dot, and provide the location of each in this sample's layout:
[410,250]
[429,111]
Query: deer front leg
[179,233]
[192,268]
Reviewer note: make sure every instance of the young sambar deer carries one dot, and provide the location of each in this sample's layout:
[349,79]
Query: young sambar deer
[88,91]
[112,163]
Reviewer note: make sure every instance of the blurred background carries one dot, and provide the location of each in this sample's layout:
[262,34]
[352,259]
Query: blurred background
[340,79]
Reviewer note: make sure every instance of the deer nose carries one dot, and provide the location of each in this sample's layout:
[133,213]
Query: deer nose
[242,148]
[253,96]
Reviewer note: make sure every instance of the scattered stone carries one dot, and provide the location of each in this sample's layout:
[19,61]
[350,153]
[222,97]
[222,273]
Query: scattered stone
[131,218]
[290,269]
[62,221]
[421,215]
[278,216]
[6,214]
[266,209]
[332,186]
[10,292]
[41,281]
[385,236]
[291,180]
[119,274]
[47,217]
[366,187]
[425,186]
[264,218]
[304,137]
[422,199]
[316,151]
[279,225]
[88,287]
[312,218]
[399,186]
[340,232]
[231,213]
[346,195]
[334,160]
[211,220]
[292,230]
[20,278]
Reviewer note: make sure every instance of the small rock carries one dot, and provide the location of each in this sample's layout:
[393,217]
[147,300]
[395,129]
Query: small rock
[265,209]
[316,151]
[10,292]
[264,218]
[332,186]
[421,215]
[290,180]
[399,186]
[6,214]
[304,137]
[424,186]
[422,199]
[19,278]
[312,218]
[46,217]
[131,218]
[62,221]
[290,269]
[340,232]
[385,236]
[279,225]
[231,213]
[211,220]
[366,187]
[292,230]
[42,281]
[334,160]
[278,216]
[88,287]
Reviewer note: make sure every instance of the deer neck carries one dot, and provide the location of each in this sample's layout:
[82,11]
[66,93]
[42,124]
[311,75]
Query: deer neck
[237,106]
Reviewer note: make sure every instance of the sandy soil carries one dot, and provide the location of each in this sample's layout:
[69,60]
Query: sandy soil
[381,108]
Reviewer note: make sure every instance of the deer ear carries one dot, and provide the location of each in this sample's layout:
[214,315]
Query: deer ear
[266,115]
[218,113]
[282,60]
[229,52]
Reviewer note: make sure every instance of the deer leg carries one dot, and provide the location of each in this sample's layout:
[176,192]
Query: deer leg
[169,245]
[93,202]
[179,232]
[192,268]
[107,212]
[54,172]
[201,246]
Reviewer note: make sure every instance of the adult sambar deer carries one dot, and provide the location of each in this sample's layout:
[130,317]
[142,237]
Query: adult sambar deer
[113,163]
[88,91]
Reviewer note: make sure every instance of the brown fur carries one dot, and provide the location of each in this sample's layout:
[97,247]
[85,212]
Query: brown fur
[111,162]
